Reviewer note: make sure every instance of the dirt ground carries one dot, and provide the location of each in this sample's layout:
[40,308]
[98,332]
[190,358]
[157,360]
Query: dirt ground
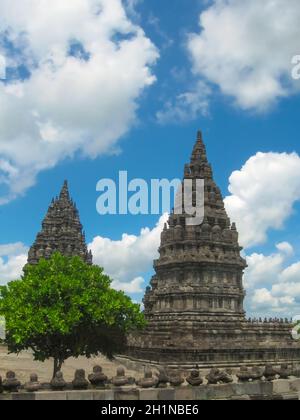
[24,365]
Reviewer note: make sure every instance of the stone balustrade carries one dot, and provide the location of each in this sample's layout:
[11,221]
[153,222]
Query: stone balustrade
[267,383]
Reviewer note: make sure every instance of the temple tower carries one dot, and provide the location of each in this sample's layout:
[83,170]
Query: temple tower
[199,271]
[61,231]
[195,302]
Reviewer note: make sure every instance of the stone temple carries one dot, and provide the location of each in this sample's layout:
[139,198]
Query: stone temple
[194,306]
[61,231]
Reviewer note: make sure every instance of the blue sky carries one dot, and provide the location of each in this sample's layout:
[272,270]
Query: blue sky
[153,78]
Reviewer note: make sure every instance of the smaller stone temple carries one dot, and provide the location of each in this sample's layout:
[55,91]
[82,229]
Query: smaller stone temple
[61,231]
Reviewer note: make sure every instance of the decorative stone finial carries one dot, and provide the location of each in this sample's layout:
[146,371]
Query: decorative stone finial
[33,385]
[148,381]
[11,383]
[58,383]
[97,378]
[79,381]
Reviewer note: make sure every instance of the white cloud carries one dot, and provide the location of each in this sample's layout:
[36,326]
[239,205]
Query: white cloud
[73,104]
[13,257]
[132,287]
[286,248]
[187,106]
[129,257]
[245,47]
[263,269]
[263,193]
[264,300]
[273,286]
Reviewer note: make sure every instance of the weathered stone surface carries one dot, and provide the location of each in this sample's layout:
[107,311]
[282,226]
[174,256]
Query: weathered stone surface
[24,396]
[80,395]
[126,394]
[225,391]
[241,398]
[295,385]
[103,395]
[61,231]
[51,396]
[166,394]
[148,394]
[194,305]
[281,386]
[184,394]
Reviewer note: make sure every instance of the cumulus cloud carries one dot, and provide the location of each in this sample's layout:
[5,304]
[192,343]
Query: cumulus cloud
[263,193]
[126,259]
[245,48]
[13,257]
[86,66]
[272,282]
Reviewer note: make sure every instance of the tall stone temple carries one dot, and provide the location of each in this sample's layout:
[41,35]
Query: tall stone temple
[194,306]
[61,231]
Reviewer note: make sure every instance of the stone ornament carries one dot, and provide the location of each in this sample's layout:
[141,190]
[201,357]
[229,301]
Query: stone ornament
[80,382]
[33,385]
[58,383]
[163,378]
[176,379]
[270,373]
[11,383]
[97,378]
[148,381]
[194,378]
[217,376]
[120,379]
[284,372]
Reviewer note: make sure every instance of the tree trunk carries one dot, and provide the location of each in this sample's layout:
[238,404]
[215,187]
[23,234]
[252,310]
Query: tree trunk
[57,366]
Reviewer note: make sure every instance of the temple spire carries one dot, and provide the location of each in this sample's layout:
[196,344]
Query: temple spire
[61,231]
[199,151]
[64,194]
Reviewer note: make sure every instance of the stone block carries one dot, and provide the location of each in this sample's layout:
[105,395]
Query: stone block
[241,398]
[104,395]
[5,397]
[166,394]
[126,394]
[80,395]
[247,388]
[281,386]
[295,385]
[184,394]
[148,394]
[51,396]
[200,392]
[225,391]
[23,396]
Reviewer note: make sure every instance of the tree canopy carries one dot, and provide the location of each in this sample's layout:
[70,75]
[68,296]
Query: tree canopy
[63,307]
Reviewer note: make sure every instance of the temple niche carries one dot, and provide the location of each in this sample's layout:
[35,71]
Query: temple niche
[195,303]
[61,231]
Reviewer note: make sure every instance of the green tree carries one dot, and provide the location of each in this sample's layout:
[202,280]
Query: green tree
[63,307]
